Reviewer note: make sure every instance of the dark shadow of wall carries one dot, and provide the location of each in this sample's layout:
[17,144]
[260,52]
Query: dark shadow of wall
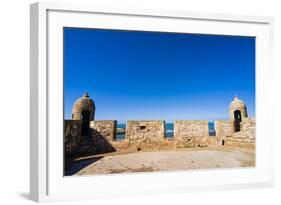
[96,142]
[73,166]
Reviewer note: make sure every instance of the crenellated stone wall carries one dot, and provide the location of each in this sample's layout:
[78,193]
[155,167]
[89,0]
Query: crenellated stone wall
[101,139]
[192,133]
[245,137]
[224,130]
[249,130]
[105,128]
[101,134]
[150,135]
[145,134]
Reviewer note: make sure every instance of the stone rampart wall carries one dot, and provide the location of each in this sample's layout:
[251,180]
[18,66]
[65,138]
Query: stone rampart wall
[102,133]
[150,135]
[105,128]
[245,137]
[147,135]
[72,136]
[224,128]
[101,139]
[249,130]
[192,133]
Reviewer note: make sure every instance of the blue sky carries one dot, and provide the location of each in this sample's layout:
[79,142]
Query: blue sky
[154,75]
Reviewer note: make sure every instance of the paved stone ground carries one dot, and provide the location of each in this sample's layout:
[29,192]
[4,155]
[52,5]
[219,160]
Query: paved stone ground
[168,160]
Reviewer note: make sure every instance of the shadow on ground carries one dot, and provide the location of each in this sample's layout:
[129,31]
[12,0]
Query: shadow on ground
[73,166]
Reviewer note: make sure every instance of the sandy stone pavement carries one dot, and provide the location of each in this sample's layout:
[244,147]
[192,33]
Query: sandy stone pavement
[148,161]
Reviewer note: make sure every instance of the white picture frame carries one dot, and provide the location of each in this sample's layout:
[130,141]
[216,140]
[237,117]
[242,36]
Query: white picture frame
[47,182]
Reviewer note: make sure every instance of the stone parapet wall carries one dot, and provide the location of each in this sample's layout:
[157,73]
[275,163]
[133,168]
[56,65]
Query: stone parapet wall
[191,133]
[224,128]
[249,130]
[121,145]
[101,134]
[145,134]
[150,135]
[245,137]
[72,136]
[105,128]
[142,131]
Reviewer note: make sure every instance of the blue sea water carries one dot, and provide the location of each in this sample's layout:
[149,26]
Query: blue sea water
[212,131]
[169,132]
[211,125]
[120,136]
[121,125]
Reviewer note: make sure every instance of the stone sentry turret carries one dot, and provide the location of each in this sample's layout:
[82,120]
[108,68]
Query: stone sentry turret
[237,112]
[84,109]
[82,105]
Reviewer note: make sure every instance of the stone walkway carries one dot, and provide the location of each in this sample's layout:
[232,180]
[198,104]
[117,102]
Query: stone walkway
[168,160]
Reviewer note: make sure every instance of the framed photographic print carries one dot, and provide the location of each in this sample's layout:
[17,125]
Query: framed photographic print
[128,101]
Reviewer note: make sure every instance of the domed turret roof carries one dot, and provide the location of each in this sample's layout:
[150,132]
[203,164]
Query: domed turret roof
[237,103]
[84,103]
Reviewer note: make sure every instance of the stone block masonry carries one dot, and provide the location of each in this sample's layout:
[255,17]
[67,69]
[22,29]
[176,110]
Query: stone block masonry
[150,135]
[105,128]
[192,133]
[224,130]
[101,134]
[143,131]
[84,135]
[72,136]
[249,130]
[227,136]
[246,137]
[146,134]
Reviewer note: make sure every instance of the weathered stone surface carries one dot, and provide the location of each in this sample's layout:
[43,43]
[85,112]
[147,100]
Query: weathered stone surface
[85,103]
[181,159]
[121,145]
[191,133]
[145,134]
[249,129]
[224,128]
[239,105]
[150,135]
[72,136]
[101,135]
[245,137]
[105,128]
